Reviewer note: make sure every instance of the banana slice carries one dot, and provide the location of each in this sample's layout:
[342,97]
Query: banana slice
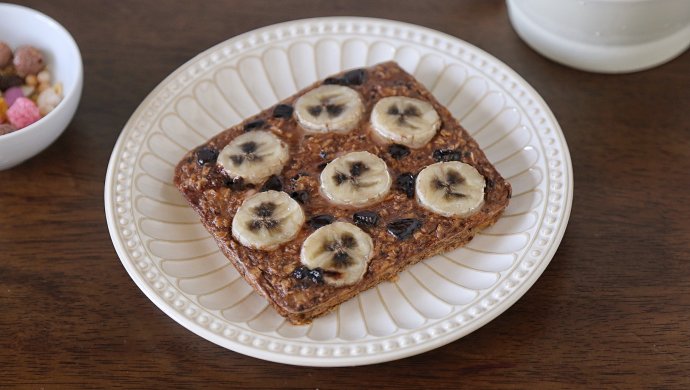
[452,189]
[341,250]
[267,219]
[355,179]
[254,156]
[403,120]
[329,108]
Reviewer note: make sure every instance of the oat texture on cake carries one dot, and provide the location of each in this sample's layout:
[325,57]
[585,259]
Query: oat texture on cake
[340,187]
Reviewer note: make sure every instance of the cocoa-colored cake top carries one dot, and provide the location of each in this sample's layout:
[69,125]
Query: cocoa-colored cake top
[216,197]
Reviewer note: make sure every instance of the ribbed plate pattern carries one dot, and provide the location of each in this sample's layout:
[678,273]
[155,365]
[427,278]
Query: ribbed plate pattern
[177,264]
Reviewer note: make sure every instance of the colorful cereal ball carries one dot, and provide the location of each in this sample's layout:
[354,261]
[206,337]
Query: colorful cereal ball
[12,94]
[48,100]
[28,60]
[3,110]
[23,113]
[5,54]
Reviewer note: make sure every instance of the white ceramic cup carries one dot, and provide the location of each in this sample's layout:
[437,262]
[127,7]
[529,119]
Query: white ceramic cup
[608,36]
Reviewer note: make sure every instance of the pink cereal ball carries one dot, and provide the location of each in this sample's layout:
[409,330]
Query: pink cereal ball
[23,113]
[12,94]
[5,54]
[28,60]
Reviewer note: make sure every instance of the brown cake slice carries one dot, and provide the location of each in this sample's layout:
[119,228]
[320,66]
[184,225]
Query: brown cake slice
[283,152]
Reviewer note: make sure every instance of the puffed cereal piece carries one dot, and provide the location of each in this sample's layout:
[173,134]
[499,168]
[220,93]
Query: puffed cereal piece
[28,60]
[47,101]
[12,94]
[3,110]
[23,113]
[5,54]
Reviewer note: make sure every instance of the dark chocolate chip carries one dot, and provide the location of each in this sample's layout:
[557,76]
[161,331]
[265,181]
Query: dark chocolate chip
[398,151]
[323,154]
[333,80]
[321,220]
[206,155]
[272,183]
[316,275]
[403,228]
[405,183]
[467,154]
[254,125]
[300,272]
[366,218]
[445,155]
[321,166]
[300,196]
[282,111]
[235,184]
[10,81]
[354,77]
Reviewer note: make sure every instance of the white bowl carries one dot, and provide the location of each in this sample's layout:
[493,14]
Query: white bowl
[24,26]
[608,36]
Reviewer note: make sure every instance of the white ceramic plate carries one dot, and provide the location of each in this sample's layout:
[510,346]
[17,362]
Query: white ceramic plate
[177,265]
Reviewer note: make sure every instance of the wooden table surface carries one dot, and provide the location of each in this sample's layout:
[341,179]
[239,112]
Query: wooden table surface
[611,310]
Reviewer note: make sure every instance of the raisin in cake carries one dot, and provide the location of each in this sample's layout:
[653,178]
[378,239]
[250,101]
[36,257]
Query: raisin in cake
[341,187]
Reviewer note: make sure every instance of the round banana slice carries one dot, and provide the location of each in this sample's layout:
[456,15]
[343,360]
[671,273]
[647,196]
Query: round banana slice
[329,108]
[403,120]
[267,219]
[254,156]
[341,250]
[355,179]
[452,189]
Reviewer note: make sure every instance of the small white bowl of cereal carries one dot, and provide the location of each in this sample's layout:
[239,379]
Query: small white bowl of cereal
[41,78]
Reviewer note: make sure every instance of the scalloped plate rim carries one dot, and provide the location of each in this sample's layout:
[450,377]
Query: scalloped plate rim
[334,361]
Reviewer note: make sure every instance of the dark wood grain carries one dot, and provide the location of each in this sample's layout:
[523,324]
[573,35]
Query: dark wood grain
[611,310]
